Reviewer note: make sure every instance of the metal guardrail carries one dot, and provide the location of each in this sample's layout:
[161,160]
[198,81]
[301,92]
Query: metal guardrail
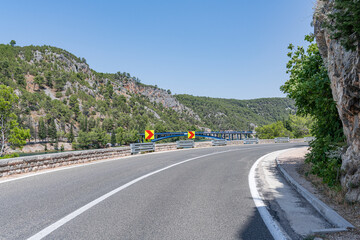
[251,141]
[142,147]
[282,140]
[220,142]
[185,144]
[309,139]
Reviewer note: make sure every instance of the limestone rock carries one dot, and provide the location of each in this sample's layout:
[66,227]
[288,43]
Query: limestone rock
[344,72]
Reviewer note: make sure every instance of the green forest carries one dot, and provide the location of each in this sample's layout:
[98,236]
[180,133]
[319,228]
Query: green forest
[226,114]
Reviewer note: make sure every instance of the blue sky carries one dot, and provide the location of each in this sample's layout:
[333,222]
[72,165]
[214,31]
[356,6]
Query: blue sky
[229,49]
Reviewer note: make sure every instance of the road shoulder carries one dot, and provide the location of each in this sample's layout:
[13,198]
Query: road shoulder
[292,162]
[290,212]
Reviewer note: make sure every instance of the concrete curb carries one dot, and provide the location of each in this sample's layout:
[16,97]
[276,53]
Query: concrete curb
[328,213]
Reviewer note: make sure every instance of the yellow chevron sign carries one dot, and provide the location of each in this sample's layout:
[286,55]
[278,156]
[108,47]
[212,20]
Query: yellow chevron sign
[149,134]
[191,134]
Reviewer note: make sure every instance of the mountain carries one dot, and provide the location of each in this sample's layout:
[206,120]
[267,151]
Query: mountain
[226,114]
[58,89]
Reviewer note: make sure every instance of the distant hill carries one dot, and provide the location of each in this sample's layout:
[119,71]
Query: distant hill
[233,114]
[59,89]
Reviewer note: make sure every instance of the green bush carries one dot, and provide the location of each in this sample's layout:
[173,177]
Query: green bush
[12,155]
[273,130]
[309,86]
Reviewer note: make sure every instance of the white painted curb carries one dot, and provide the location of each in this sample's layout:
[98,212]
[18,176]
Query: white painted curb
[273,226]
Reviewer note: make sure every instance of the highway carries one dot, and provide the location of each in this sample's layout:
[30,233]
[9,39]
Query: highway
[196,194]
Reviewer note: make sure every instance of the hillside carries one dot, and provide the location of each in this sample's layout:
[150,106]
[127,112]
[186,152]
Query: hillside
[54,85]
[226,114]
[59,90]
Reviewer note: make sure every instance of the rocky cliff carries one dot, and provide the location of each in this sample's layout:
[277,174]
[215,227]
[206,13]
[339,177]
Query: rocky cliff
[344,72]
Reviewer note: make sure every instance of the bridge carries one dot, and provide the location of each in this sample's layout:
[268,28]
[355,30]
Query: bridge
[228,135]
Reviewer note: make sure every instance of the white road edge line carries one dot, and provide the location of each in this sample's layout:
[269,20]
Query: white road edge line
[45,171]
[269,221]
[46,231]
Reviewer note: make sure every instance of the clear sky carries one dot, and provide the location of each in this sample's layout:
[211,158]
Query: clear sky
[224,48]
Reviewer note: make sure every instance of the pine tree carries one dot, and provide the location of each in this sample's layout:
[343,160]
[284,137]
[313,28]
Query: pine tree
[85,124]
[113,138]
[42,129]
[52,134]
[12,43]
[71,134]
[49,81]
[39,80]
[32,129]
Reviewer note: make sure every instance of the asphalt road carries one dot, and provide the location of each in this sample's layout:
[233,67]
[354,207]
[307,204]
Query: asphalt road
[205,198]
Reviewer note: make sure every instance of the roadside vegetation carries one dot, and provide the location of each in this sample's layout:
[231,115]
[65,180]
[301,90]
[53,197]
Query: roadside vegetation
[309,86]
[61,99]
[294,127]
[10,132]
[226,114]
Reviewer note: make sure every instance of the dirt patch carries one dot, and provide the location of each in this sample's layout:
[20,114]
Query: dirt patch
[30,83]
[293,162]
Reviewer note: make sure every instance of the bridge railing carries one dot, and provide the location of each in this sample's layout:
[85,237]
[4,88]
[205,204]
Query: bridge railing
[229,135]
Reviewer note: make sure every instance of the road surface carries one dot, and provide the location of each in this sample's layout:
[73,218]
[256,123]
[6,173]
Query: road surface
[203,194]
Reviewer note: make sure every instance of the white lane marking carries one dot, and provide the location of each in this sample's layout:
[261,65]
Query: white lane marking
[270,222]
[32,174]
[46,231]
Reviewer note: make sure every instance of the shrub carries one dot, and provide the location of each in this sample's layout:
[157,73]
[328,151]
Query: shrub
[309,86]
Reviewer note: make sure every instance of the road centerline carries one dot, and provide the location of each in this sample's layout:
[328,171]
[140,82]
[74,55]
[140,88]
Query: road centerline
[46,231]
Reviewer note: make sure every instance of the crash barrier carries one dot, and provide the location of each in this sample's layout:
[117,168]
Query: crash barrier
[218,142]
[142,147]
[309,139]
[185,144]
[251,141]
[282,140]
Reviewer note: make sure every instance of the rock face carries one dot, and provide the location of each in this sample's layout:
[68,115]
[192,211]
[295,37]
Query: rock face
[344,72]
[160,96]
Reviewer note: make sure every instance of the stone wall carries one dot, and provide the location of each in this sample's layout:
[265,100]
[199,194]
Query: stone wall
[165,147]
[38,162]
[344,72]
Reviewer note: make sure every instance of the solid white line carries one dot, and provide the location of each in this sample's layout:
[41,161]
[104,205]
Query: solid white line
[270,222]
[56,169]
[46,231]
[45,171]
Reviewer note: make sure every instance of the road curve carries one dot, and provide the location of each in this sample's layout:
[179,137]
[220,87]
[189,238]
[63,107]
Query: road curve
[206,197]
